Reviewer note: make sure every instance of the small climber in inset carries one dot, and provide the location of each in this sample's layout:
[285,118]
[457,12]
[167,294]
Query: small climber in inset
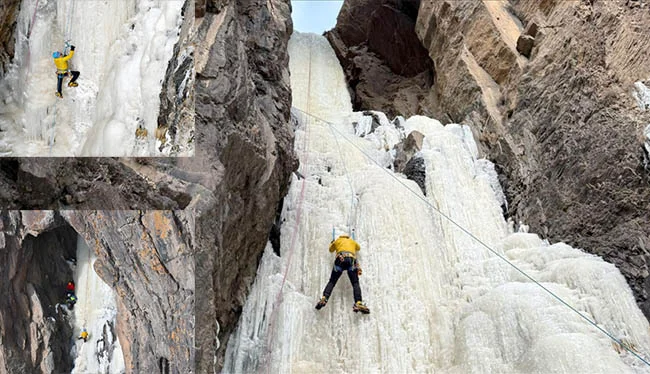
[70,299]
[346,260]
[61,62]
[83,335]
[70,287]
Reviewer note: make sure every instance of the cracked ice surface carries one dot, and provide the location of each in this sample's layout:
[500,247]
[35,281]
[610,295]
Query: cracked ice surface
[439,301]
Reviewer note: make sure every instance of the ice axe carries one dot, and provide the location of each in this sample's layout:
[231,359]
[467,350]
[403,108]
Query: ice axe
[66,47]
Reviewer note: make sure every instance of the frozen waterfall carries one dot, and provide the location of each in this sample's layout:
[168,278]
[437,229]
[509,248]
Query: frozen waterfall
[122,51]
[439,301]
[95,311]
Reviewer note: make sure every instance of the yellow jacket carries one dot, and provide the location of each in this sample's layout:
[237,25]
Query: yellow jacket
[62,62]
[345,244]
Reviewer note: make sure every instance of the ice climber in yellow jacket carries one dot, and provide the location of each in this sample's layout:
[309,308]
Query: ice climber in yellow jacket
[346,259]
[62,70]
[83,335]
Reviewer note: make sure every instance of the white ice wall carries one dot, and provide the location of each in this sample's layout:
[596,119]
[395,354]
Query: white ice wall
[440,302]
[95,311]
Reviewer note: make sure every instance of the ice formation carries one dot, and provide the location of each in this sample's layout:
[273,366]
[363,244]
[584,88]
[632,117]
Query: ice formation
[440,301]
[95,311]
[122,51]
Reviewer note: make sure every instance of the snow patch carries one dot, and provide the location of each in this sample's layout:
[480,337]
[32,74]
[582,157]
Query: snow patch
[642,95]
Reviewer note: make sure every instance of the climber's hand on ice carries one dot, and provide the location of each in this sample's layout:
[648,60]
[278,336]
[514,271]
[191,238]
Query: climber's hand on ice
[359,271]
[72,47]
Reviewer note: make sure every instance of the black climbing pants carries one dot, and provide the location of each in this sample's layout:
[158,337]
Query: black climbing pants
[59,83]
[348,264]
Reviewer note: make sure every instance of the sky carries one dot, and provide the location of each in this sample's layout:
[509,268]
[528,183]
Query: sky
[315,16]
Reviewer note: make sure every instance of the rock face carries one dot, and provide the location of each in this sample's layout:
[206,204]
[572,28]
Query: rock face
[35,334]
[176,117]
[382,56]
[81,183]
[407,149]
[562,125]
[415,170]
[525,44]
[243,107]
[8,15]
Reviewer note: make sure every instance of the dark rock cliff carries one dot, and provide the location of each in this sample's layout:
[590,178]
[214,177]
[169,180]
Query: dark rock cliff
[385,63]
[243,104]
[8,15]
[35,335]
[560,123]
[176,117]
[82,183]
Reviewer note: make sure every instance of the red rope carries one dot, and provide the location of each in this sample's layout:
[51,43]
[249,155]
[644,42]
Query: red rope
[29,35]
[31,25]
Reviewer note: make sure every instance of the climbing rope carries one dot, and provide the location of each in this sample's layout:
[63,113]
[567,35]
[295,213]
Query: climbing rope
[29,35]
[31,24]
[617,341]
[350,226]
[51,129]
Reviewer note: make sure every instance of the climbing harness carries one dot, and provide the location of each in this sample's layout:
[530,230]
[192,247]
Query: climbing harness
[449,219]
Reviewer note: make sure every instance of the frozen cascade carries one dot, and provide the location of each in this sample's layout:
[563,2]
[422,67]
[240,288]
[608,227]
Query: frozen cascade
[123,48]
[440,302]
[95,311]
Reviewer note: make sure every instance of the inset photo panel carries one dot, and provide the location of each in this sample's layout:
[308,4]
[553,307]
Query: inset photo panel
[90,78]
[96,292]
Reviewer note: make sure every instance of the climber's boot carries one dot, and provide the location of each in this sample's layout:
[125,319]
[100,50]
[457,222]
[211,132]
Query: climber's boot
[59,95]
[360,307]
[321,303]
[73,84]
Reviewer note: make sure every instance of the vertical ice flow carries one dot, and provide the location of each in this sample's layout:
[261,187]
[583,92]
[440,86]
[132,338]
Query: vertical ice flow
[95,311]
[439,301]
